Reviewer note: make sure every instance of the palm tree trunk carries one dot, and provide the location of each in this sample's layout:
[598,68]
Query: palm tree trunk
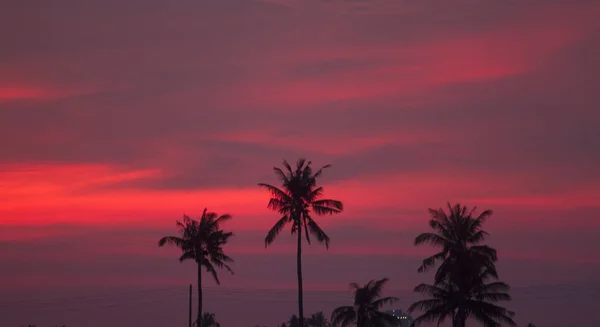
[199,321]
[459,319]
[299,266]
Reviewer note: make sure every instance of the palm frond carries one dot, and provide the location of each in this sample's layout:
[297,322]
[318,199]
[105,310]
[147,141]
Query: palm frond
[343,316]
[430,261]
[281,175]
[317,232]
[327,207]
[432,239]
[211,269]
[188,255]
[172,240]
[276,192]
[319,172]
[272,234]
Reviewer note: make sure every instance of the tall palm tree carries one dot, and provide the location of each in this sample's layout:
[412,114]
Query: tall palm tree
[298,198]
[366,309]
[208,320]
[202,241]
[449,299]
[459,235]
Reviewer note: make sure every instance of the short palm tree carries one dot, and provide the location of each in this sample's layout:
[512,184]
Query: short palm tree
[202,241]
[208,320]
[457,301]
[296,201]
[459,235]
[366,309]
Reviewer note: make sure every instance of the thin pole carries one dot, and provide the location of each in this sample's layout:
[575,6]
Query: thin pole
[190,306]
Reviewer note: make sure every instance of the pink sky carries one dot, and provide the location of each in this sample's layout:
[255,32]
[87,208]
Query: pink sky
[116,117]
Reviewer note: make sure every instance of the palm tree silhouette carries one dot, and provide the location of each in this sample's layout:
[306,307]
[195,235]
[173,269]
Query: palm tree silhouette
[208,320]
[459,235]
[365,311]
[295,201]
[470,296]
[530,324]
[202,241]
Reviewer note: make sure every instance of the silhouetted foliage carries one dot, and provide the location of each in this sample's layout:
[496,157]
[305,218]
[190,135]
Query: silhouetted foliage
[208,320]
[202,241]
[298,198]
[458,235]
[318,320]
[530,325]
[461,286]
[365,312]
[294,321]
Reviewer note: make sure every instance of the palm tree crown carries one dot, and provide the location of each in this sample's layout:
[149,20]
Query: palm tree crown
[298,197]
[459,235]
[473,297]
[202,241]
[366,309]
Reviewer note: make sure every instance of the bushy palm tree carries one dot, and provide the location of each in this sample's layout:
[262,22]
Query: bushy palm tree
[459,235]
[462,286]
[202,241]
[456,301]
[365,312]
[208,320]
[296,201]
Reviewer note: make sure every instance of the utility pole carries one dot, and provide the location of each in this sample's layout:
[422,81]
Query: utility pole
[190,305]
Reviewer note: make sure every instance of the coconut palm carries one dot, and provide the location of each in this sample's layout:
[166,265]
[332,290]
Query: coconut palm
[457,301]
[459,235]
[208,320]
[366,309]
[202,241]
[296,201]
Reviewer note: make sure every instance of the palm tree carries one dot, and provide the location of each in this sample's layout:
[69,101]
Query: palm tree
[298,198]
[453,300]
[530,324]
[318,320]
[459,235]
[365,311]
[202,241]
[208,320]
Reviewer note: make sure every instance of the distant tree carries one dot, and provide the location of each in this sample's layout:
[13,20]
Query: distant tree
[202,241]
[208,320]
[318,320]
[458,235]
[459,300]
[365,312]
[298,198]
[530,325]
[462,285]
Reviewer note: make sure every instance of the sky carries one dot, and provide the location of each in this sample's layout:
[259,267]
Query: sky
[118,117]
